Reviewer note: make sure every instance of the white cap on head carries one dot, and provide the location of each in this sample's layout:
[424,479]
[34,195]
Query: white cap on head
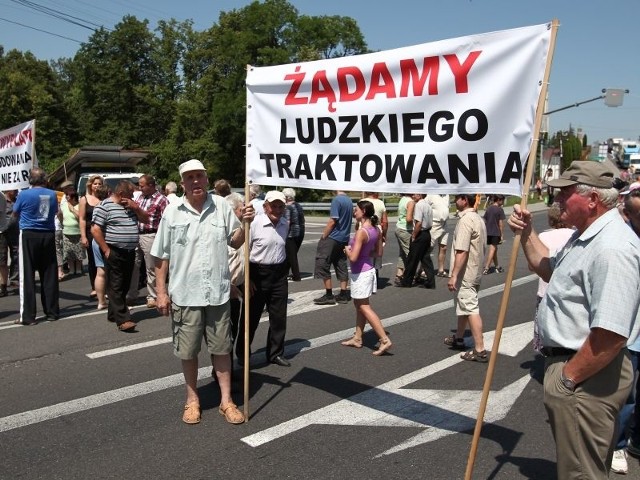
[631,188]
[274,195]
[191,165]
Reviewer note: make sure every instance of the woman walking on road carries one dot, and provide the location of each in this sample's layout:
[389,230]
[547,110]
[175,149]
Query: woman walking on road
[363,247]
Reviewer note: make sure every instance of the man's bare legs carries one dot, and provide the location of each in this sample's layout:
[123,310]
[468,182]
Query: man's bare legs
[475,324]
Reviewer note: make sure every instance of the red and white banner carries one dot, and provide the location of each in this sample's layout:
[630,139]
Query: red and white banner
[17,155]
[454,116]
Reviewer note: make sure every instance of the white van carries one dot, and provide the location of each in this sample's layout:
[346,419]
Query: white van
[110,179]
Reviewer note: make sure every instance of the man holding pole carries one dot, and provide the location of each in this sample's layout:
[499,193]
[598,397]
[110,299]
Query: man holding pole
[585,323]
[191,245]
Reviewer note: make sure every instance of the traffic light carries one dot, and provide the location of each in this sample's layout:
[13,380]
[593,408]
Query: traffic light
[613,96]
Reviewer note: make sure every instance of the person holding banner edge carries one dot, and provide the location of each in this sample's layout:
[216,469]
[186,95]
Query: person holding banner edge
[197,297]
[585,324]
[268,273]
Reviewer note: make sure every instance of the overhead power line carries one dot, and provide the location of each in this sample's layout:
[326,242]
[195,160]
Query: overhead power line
[40,30]
[80,22]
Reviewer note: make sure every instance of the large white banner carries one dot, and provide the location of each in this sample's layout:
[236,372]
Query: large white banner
[454,116]
[17,155]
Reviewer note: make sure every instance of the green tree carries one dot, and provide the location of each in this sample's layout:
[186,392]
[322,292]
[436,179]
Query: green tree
[176,91]
[315,38]
[119,88]
[31,89]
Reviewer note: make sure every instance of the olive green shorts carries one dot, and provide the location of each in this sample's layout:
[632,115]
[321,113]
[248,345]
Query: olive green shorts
[192,324]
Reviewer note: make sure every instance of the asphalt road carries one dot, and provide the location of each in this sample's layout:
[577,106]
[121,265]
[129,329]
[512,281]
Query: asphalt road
[82,400]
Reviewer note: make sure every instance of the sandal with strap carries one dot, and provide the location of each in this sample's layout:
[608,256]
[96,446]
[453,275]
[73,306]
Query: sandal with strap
[191,413]
[475,356]
[231,413]
[352,342]
[385,344]
[454,342]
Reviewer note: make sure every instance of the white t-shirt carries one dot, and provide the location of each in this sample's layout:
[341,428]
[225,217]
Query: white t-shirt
[554,239]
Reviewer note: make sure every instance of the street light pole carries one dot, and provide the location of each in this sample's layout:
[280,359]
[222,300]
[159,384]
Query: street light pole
[606,93]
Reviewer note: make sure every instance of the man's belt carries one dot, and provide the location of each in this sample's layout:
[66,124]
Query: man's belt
[556,351]
[147,232]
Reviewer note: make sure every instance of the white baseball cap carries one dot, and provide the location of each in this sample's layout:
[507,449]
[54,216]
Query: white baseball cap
[191,165]
[631,188]
[274,195]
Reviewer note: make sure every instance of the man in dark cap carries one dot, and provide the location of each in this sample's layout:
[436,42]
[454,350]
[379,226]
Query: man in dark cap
[585,323]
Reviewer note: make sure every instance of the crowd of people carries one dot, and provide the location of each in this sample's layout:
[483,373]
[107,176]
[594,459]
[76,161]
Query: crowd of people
[585,330]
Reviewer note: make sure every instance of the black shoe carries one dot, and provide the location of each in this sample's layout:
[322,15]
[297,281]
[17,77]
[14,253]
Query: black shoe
[3,291]
[429,285]
[325,300]
[281,361]
[27,323]
[401,284]
[343,298]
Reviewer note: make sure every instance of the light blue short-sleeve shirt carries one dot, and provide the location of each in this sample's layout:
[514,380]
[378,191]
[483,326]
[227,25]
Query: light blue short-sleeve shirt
[595,283]
[195,243]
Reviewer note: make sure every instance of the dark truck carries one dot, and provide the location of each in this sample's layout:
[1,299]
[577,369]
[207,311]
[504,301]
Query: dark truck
[111,162]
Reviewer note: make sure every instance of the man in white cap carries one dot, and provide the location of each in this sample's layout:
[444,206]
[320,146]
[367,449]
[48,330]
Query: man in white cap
[585,323]
[191,246]
[268,272]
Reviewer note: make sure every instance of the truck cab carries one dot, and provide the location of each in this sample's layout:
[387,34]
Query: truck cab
[113,163]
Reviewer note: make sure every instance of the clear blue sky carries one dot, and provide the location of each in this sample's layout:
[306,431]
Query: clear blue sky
[598,44]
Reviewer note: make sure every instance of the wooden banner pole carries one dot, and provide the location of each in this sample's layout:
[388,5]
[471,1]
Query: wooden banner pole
[514,256]
[247,294]
[247,285]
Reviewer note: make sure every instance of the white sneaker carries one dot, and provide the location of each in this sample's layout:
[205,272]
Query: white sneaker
[619,463]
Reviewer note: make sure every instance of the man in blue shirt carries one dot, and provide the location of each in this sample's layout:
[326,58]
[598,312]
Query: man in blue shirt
[36,208]
[585,324]
[335,237]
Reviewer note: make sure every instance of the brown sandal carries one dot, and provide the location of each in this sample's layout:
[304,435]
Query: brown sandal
[475,356]
[191,413]
[231,413]
[454,342]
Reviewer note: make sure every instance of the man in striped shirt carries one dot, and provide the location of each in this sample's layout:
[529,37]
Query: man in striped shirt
[115,230]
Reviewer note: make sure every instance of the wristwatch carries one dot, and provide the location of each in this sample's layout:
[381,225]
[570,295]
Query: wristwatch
[568,383]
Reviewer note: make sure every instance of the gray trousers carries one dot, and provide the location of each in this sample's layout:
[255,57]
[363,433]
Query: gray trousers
[583,422]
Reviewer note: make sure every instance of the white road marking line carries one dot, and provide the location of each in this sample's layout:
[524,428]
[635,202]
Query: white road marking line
[31,417]
[439,412]
[10,324]
[128,348]
[43,414]
[299,303]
